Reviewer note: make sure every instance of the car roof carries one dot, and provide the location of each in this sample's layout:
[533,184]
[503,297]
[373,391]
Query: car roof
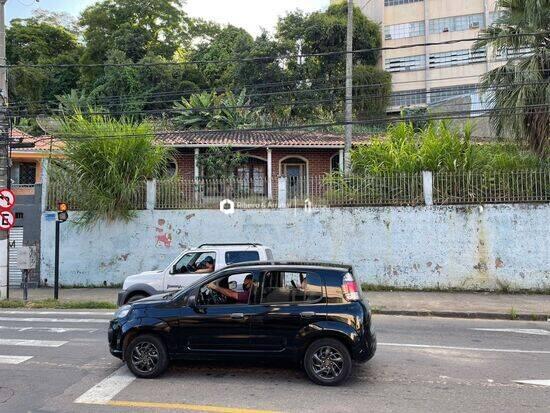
[293,264]
[232,246]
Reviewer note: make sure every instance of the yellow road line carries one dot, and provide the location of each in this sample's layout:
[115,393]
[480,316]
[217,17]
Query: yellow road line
[182,406]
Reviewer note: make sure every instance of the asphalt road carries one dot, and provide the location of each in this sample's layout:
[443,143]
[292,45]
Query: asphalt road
[422,364]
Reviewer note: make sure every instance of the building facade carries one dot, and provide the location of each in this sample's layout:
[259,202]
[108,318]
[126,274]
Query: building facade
[432,74]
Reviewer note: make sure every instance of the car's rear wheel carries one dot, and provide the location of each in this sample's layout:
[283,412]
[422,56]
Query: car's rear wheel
[146,356]
[135,298]
[328,362]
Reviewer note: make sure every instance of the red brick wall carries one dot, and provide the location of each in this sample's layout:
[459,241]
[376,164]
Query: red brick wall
[318,160]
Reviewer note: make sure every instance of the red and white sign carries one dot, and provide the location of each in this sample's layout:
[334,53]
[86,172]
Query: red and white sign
[7,199]
[7,220]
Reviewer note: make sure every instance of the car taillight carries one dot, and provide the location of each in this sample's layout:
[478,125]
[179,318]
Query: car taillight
[350,288]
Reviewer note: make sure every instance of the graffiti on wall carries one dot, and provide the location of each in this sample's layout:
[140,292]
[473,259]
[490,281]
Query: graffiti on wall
[163,234]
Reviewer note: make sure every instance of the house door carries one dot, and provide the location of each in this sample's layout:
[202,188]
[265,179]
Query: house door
[296,180]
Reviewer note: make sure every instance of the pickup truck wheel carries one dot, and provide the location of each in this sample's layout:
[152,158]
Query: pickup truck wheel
[146,356]
[327,362]
[135,297]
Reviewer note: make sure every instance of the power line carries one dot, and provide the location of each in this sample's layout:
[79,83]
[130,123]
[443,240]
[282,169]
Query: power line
[276,57]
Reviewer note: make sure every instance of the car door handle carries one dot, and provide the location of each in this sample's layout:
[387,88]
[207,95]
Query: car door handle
[307,314]
[237,316]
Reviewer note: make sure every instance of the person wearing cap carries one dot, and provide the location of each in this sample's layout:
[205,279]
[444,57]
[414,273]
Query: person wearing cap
[206,266]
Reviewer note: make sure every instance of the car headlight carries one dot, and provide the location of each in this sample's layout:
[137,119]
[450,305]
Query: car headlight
[123,311]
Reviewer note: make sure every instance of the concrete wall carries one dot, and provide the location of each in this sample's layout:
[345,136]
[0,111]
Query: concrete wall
[466,247]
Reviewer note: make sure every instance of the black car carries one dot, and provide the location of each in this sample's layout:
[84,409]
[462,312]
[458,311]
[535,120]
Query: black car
[311,313]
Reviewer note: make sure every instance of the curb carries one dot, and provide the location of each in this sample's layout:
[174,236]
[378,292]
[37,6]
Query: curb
[464,314]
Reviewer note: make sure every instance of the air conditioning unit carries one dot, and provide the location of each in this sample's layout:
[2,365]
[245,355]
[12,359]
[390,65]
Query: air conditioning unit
[445,30]
[388,37]
[474,25]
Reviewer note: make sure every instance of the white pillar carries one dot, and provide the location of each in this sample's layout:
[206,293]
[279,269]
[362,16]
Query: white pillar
[151,197]
[282,192]
[45,183]
[4,270]
[341,160]
[427,181]
[269,175]
[197,169]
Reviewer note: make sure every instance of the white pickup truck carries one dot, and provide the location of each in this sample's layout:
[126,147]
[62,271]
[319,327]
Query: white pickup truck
[183,270]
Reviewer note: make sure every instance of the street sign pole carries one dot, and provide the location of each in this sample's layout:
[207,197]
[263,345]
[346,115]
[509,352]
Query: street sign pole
[56,269]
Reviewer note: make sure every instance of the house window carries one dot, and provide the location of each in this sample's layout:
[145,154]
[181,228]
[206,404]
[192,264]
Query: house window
[401,31]
[398,2]
[335,163]
[24,173]
[408,98]
[457,58]
[405,63]
[253,176]
[457,23]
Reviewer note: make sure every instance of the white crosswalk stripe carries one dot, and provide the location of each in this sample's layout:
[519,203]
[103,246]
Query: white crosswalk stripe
[54,320]
[14,359]
[22,329]
[30,343]
[108,314]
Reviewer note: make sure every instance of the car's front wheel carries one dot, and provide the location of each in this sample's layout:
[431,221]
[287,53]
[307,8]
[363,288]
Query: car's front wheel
[146,356]
[328,362]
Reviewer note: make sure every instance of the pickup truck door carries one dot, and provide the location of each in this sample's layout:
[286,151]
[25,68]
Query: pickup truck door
[179,275]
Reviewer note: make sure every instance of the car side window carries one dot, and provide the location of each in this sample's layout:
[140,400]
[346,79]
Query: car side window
[235,257]
[291,287]
[226,290]
[181,265]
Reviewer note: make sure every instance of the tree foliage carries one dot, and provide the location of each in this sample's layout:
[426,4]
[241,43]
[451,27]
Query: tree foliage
[103,169]
[522,85]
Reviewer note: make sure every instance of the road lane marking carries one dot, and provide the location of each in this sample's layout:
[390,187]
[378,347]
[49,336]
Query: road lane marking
[534,331]
[105,390]
[31,343]
[184,406]
[30,312]
[54,320]
[534,382]
[14,359]
[49,329]
[490,350]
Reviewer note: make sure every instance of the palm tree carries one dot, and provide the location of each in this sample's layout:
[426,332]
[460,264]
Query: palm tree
[519,91]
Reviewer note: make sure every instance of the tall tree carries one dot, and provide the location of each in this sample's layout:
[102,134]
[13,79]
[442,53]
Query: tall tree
[521,87]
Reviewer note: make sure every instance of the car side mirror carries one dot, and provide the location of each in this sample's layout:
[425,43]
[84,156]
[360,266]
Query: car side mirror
[192,301]
[172,270]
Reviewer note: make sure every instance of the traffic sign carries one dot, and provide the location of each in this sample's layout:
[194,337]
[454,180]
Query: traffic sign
[7,220]
[7,199]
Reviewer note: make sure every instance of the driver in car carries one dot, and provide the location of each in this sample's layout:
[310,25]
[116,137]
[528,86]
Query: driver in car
[207,265]
[239,297]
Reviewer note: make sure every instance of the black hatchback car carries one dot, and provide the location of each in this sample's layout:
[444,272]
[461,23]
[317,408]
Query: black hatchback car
[312,313]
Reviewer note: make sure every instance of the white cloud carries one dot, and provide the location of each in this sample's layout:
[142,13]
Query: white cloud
[252,15]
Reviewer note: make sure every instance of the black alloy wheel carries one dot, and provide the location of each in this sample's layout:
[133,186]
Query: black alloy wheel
[146,357]
[328,362]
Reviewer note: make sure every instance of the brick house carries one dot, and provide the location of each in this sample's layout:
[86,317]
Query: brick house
[270,154]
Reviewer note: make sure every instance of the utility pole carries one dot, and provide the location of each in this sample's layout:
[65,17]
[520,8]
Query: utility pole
[4,151]
[349,91]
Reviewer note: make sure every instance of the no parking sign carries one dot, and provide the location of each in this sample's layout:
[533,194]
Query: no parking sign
[7,220]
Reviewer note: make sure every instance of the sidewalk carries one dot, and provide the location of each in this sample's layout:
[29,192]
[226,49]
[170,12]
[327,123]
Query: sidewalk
[470,305]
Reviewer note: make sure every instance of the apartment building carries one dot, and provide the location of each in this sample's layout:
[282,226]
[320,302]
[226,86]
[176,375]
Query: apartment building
[430,75]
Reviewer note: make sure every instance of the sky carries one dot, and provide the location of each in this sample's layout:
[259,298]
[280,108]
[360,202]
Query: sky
[252,15]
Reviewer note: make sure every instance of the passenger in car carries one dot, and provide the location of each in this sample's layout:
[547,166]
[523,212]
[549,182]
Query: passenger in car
[239,297]
[207,265]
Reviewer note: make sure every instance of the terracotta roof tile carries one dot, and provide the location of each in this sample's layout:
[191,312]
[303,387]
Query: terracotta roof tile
[42,143]
[256,139]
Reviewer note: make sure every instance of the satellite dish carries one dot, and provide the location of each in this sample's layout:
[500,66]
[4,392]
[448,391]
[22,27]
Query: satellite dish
[48,124]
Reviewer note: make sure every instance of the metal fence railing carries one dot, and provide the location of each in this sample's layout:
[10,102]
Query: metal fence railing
[373,190]
[397,189]
[65,192]
[491,187]
[206,193]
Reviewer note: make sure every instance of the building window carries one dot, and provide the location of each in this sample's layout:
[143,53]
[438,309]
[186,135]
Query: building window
[408,98]
[398,2]
[457,23]
[405,63]
[509,53]
[401,31]
[439,94]
[24,173]
[457,58]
